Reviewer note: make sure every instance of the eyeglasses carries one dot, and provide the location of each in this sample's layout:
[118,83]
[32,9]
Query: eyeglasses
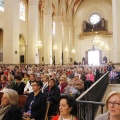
[61,79]
[114,104]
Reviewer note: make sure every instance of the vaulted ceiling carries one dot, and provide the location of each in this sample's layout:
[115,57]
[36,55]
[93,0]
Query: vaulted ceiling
[66,8]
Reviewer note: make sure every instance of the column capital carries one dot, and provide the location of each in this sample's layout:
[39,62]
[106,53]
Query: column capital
[48,7]
[33,2]
[66,24]
[48,11]
[58,18]
[48,4]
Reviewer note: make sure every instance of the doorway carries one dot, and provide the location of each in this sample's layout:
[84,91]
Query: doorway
[22,49]
[94,57]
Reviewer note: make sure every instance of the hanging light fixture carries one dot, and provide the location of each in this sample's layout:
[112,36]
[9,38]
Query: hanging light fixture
[106,47]
[66,49]
[39,43]
[73,50]
[55,46]
[98,41]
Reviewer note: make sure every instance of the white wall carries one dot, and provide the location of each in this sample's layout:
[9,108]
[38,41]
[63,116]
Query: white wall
[1,41]
[88,7]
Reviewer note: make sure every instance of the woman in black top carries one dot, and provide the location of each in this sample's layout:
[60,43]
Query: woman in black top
[19,86]
[35,106]
[53,93]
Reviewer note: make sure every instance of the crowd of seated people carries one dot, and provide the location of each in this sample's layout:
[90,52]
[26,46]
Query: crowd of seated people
[73,74]
[57,80]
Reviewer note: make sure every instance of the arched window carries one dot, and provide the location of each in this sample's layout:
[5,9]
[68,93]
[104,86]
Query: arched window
[2,5]
[22,10]
[54,28]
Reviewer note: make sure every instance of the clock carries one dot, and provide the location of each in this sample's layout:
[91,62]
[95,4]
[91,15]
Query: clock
[94,18]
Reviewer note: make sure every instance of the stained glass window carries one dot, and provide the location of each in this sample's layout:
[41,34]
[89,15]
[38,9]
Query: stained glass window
[2,5]
[22,10]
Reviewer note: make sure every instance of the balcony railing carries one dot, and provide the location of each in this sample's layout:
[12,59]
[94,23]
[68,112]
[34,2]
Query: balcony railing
[89,101]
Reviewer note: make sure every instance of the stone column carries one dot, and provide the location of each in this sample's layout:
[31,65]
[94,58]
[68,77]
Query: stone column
[11,32]
[116,29]
[33,25]
[71,41]
[41,54]
[66,43]
[47,45]
[58,40]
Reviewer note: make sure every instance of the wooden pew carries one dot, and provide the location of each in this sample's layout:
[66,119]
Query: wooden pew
[1,94]
[22,100]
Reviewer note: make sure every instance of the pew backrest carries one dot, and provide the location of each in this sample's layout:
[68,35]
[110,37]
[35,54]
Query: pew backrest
[22,100]
[1,94]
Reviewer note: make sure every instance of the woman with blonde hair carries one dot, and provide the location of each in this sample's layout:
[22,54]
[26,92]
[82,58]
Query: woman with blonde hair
[113,107]
[3,81]
[62,83]
[10,83]
[8,108]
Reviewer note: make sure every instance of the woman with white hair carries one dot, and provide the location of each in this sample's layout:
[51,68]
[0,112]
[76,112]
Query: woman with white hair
[8,108]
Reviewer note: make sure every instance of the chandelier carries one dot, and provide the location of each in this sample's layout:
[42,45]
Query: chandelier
[73,50]
[66,49]
[39,44]
[98,41]
[55,46]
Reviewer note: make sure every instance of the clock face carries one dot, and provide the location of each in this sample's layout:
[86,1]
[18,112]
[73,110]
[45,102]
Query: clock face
[94,18]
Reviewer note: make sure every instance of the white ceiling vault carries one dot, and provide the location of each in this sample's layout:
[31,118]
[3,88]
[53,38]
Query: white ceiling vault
[65,8]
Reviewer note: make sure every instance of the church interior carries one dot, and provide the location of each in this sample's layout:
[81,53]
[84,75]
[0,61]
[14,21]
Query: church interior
[59,31]
[63,39]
